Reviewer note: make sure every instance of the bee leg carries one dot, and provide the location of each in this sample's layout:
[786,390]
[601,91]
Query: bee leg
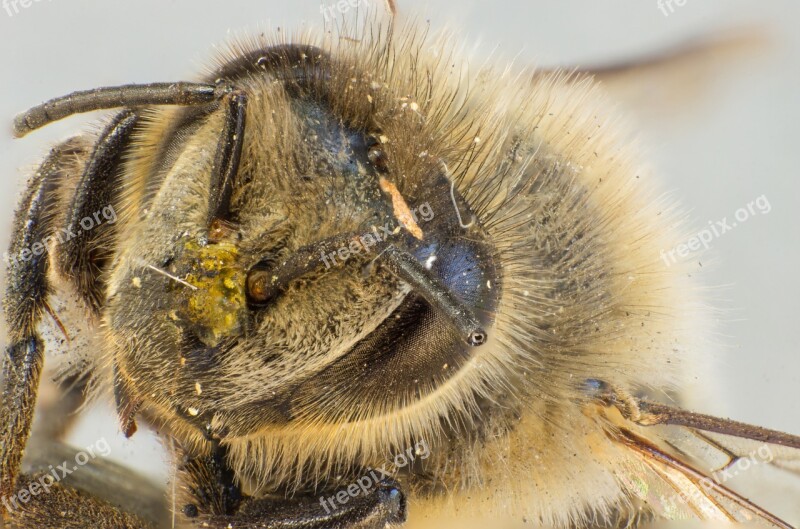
[83,255]
[64,487]
[54,505]
[28,289]
[229,151]
[215,501]
[25,302]
[211,483]
[382,506]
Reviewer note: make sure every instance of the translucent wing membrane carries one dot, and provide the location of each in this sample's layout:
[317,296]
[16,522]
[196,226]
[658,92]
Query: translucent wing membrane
[680,78]
[680,489]
[689,457]
[779,456]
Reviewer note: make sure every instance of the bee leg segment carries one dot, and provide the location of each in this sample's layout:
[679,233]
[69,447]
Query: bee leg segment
[79,257]
[56,505]
[216,501]
[54,491]
[25,302]
[383,506]
[28,288]
[211,484]
[408,269]
[229,151]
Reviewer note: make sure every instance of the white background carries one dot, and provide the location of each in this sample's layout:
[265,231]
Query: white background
[735,140]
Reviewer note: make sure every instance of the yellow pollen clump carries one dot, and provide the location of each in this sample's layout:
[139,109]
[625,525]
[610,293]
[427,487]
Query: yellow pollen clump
[217,306]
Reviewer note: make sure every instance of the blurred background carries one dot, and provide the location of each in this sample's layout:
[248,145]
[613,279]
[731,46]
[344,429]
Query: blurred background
[720,126]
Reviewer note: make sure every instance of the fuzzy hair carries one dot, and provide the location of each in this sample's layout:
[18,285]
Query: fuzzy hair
[577,226]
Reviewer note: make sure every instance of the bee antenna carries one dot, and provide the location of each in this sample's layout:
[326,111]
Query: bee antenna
[265,281]
[408,269]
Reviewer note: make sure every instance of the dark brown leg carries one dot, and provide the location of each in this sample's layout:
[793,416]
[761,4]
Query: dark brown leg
[214,500]
[81,258]
[56,506]
[229,151]
[25,302]
[64,487]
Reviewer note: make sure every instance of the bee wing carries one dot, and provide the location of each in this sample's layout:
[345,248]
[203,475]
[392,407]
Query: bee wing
[736,448]
[678,78]
[725,455]
[677,489]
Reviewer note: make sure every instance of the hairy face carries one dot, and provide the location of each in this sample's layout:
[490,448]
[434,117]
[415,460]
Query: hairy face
[324,157]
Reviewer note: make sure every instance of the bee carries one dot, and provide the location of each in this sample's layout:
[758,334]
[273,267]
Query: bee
[356,286]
